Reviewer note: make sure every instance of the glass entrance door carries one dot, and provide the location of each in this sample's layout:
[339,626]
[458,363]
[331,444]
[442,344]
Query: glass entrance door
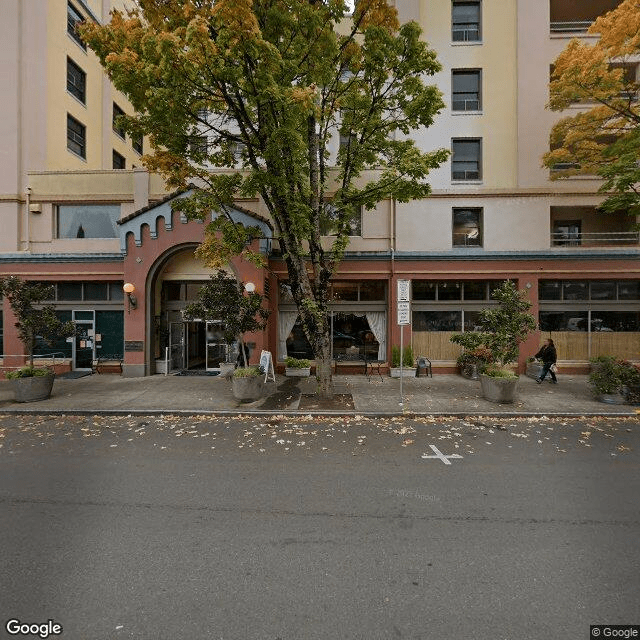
[177,351]
[217,348]
[83,351]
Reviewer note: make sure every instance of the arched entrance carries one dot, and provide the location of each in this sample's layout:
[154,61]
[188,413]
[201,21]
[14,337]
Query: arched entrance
[179,345]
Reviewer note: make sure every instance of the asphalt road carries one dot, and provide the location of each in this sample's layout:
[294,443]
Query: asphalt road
[302,528]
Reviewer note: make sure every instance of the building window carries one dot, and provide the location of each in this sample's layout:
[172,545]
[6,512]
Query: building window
[76,137]
[76,81]
[573,18]
[467,227]
[136,142]
[329,222]
[465,90]
[88,220]
[567,233]
[198,145]
[118,161]
[73,18]
[117,128]
[466,161]
[465,21]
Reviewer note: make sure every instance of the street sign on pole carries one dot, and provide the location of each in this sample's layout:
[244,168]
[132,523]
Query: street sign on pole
[404,313]
[404,287]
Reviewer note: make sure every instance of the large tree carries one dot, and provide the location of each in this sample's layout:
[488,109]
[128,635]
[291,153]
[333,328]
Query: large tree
[244,98]
[603,137]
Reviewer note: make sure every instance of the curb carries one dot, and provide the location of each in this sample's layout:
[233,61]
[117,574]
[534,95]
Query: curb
[328,414]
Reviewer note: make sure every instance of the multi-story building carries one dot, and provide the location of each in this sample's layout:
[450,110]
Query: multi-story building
[78,212]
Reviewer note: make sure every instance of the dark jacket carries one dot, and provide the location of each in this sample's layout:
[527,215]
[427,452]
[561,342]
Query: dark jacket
[547,354]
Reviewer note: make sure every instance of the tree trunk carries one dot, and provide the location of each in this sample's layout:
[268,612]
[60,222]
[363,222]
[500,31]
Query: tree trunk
[323,369]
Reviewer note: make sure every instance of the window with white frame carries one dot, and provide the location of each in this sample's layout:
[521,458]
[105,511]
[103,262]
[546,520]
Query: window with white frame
[117,127]
[466,162]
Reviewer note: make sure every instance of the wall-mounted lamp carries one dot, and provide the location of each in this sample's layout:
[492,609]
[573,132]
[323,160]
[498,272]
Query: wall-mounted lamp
[128,288]
[249,287]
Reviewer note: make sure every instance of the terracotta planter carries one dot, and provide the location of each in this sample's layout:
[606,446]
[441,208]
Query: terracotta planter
[500,390]
[292,372]
[248,389]
[33,389]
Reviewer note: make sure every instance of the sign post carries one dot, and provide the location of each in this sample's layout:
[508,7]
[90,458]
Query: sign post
[404,318]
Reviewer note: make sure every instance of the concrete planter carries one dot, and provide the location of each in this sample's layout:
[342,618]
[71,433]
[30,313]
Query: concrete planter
[248,389]
[407,372]
[534,370]
[161,366]
[33,389]
[227,369]
[500,390]
[292,372]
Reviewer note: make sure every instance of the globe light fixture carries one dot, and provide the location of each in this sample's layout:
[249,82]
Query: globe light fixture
[129,288]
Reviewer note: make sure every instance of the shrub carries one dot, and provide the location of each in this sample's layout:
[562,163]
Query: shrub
[407,356]
[248,372]
[609,375]
[395,356]
[28,372]
[497,371]
[297,363]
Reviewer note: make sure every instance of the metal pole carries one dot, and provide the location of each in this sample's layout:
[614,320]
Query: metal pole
[401,352]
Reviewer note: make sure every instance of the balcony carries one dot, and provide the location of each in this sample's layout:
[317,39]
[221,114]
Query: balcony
[602,239]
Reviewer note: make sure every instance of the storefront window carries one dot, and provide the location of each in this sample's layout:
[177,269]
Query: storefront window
[88,221]
[603,290]
[563,321]
[437,321]
[622,321]
[424,289]
[372,290]
[575,291]
[475,290]
[449,291]
[344,291]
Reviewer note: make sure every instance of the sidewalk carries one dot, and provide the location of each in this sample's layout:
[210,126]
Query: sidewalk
[375,396]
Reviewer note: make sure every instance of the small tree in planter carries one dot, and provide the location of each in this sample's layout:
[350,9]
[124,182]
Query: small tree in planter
[473,362]
[502,329]
[34,320]
[613,381]
[408,362]
[225,299]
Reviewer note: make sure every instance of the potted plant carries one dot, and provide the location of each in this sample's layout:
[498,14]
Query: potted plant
[248,383]
[297,367]
[607,380]
[473,362]
[240,309]
[34,320]
[502,329]
[408,362]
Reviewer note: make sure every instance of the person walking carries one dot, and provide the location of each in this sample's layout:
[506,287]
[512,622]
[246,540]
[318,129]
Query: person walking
[548,356]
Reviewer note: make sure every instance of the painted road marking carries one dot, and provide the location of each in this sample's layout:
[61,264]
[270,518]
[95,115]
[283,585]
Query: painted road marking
[440,456]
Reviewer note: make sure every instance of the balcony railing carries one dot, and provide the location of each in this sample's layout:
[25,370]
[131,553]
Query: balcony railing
[577,26]
[610,238]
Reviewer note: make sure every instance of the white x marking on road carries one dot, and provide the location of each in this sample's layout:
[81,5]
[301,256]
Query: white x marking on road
[440,456]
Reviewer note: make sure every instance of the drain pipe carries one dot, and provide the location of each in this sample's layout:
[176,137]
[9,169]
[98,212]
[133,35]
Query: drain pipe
[28,223]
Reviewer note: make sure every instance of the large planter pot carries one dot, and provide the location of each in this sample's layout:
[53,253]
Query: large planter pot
[33,389]
[248,389]
[292,372]
[534,370]
[227,369]
[407,372]
[501,390]
[161,366]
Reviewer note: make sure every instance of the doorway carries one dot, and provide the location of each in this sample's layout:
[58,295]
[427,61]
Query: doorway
[198,345]
[83,346]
